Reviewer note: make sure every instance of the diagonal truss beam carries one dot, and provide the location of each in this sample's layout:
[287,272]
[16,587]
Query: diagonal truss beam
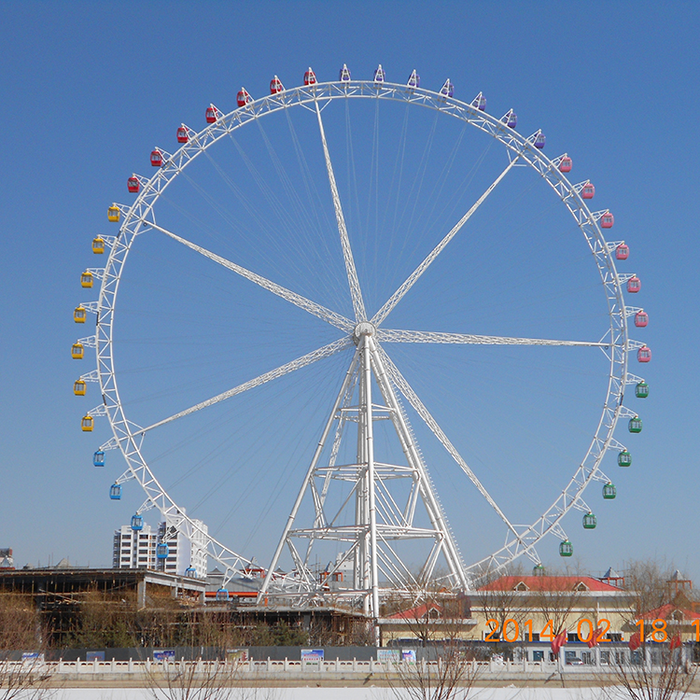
[309,475]
[358,303]
[303,361]
[413,456]
[405,388]
[312,307]
[400,336]
[413,277]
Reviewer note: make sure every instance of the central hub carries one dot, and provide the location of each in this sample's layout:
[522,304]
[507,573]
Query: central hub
[364,328]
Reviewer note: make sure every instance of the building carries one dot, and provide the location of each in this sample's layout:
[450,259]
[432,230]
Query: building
[521,614]
[6,560]
[134,549]
[59,593]
[163,549]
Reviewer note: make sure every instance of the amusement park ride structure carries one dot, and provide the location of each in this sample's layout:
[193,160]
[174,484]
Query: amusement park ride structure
[380,516]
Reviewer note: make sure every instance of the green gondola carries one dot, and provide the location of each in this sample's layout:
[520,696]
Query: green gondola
[566,549]
[624,459]
[609,491]
[641,390]
[635,425]
[589,521]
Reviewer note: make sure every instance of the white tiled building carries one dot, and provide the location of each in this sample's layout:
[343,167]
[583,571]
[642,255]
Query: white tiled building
[134,549]
[137,549]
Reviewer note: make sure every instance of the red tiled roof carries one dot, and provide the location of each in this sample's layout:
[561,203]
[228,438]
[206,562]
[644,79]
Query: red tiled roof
[417,613]
[548,583]
[665,611]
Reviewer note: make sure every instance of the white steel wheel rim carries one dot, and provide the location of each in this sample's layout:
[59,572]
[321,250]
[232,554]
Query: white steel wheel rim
[127,436]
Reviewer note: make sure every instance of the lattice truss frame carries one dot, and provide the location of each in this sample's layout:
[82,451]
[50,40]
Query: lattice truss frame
[369,541]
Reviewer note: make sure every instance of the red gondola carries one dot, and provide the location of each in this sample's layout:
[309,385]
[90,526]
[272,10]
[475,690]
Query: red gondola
[588,191]
[565,164]
[243,97]
[622,252]
[212,114]
[133,184]
[183,134]
[644,354]
[607,220]
[276,86]
[634,284]
[156,158]
[641,319]
[310,77]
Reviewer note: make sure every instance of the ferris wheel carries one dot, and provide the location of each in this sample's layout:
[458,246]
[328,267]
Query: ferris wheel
[328,213]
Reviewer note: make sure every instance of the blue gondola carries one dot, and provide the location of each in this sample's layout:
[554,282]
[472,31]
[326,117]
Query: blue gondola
[191,572]
[115,492]
[98,459]
[539,140]
[137,522]
[162,550]
[222,594]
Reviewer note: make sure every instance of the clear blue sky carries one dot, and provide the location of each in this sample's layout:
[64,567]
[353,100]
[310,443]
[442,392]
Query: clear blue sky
[88,89]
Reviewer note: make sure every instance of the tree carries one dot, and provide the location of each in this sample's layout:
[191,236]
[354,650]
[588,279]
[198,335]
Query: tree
[499,601]
[666,677]
[183,680]
[21,675]
[201,680]
[104,620]
[655,668]
[556,601]
[647,580]
[437,620]
[451,677]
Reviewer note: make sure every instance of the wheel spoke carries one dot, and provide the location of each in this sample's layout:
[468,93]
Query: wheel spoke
[399,336]
[312,307]
[405,388]
[358,303]
[303,361]
[413,277]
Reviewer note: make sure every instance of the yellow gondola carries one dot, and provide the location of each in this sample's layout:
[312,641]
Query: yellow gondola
[113,213]
[77,351]
[79,387]
[80,314]
[86,280]
[87,424]
[98,245]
